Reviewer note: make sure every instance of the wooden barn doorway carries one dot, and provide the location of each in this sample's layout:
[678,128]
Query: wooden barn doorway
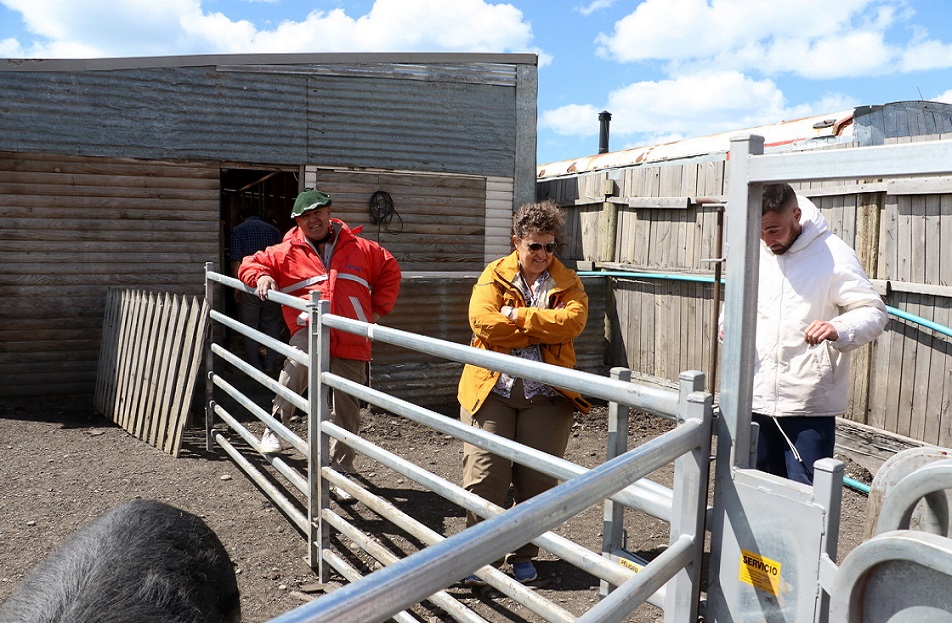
[271,191]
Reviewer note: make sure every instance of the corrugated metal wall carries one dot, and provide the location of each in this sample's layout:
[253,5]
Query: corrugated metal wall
[444,117]
[437,220]
[436,305]
[70,228]
[450,136]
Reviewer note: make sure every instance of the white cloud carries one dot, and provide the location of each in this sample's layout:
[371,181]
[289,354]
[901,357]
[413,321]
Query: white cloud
[67,28]
[852,54]
[404,25]
[646,113]
[810,38]
[945,98]
[10,48]
[706,103]
[927,55]
[595,6]
[571,120]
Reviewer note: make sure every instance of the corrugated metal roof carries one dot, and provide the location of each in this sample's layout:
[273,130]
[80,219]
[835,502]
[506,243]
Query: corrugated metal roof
[787,135]
[479,73]
[211,60]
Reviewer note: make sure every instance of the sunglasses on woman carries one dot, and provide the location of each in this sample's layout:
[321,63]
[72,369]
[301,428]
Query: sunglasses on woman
[535,247]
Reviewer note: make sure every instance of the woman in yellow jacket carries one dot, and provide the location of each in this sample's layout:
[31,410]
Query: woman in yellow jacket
[528,305]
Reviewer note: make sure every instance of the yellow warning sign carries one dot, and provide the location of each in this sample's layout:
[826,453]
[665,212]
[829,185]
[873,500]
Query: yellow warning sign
[624,562]
[760,572]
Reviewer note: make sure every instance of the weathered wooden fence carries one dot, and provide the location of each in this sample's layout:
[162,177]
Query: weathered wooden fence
[626,220]
[73,226]
[149,360]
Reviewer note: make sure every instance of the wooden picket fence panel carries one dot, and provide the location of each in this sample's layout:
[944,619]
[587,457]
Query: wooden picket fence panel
[149,361]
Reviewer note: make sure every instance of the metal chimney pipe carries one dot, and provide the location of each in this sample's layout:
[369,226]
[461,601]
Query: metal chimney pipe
[604,118]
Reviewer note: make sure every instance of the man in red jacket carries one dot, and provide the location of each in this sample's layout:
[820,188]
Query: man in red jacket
[361,280]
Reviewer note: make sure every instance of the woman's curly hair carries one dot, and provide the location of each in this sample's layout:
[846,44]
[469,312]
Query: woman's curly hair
[544,217]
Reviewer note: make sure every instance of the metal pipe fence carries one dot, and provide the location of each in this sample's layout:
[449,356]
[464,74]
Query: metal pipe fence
[671,581]
[390,590]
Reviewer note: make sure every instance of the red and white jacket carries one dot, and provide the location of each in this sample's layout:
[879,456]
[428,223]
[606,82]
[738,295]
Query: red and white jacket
[363,279]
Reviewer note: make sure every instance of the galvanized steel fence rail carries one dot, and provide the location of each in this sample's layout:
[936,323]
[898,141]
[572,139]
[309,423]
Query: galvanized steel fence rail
[670,581]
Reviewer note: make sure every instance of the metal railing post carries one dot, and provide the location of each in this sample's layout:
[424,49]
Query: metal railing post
[318,498]
[828,492]
[209,360]
[691,478]
[744,205]
[689,381]
[613,524]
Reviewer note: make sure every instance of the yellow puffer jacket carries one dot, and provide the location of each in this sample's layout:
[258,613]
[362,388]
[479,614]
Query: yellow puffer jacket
[553,329]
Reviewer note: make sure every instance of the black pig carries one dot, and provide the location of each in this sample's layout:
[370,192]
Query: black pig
[143,562]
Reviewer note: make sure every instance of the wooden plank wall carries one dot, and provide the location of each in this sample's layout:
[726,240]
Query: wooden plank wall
[911,385]
[902,230]
[70,228]
[644,313]
[440,220]
[148,365]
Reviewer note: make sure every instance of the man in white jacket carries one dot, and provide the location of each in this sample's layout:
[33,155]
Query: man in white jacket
[815,305]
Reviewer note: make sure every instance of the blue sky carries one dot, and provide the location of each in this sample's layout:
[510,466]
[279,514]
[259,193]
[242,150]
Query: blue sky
[665,69]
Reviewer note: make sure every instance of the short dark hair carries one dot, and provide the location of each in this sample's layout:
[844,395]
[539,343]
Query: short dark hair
[247,209]
[544,217]
[777,197]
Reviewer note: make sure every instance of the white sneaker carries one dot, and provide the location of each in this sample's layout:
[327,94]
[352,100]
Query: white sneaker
[342,496]
[270,443]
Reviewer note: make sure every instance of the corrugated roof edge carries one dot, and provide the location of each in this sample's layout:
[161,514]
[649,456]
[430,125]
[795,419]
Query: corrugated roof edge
[206,60]
[828,126]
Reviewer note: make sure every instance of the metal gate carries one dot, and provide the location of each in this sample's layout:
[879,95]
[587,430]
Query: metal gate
[671,581]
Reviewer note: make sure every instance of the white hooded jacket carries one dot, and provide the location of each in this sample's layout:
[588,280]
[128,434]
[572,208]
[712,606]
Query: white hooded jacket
[818,278]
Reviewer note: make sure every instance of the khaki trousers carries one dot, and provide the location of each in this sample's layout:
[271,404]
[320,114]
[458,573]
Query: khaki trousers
[542,423]
[346,412]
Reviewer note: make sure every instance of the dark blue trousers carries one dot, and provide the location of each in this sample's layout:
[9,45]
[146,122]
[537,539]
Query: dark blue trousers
[813,437]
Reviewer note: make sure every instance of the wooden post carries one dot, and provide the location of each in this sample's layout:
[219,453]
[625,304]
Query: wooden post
[868,208]
[608,225]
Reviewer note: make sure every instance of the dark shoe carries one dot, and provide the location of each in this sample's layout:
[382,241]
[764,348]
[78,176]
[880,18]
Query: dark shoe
[343,469]
[524,571]
[474,581]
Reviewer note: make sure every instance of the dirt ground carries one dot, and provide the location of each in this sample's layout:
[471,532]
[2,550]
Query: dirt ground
[64,464]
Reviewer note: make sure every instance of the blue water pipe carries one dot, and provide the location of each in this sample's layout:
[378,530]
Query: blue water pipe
[847,482]
[920,320]
[702,279]
[633,275]
[855,485]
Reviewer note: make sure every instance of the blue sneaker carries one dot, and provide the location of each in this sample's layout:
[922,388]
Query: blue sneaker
[524,571]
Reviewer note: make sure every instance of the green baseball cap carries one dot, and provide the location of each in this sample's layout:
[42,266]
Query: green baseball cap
[308,200]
